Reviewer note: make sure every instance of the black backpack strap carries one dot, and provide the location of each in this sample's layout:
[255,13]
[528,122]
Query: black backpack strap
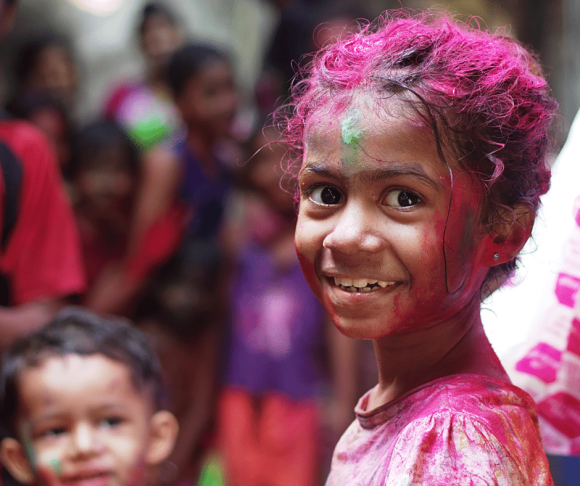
[12,172]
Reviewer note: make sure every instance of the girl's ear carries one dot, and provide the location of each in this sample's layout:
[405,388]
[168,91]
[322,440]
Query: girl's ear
[15,460]
[509,234]
[164,430]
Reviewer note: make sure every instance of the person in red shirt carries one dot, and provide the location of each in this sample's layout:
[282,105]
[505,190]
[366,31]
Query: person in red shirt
[40,260]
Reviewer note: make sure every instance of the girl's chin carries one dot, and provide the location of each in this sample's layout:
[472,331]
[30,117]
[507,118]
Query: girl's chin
[357,328]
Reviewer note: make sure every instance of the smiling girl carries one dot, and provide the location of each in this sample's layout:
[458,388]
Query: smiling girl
[422,146]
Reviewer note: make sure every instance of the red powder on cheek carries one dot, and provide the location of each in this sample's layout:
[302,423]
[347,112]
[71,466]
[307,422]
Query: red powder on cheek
[439,225]
[397,306]
[306,265]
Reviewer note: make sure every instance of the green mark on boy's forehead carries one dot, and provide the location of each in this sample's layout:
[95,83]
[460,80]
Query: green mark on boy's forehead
[56,465]
[351,131]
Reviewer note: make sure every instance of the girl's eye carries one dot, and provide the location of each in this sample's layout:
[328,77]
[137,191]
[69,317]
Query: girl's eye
[402,198]
[325,196]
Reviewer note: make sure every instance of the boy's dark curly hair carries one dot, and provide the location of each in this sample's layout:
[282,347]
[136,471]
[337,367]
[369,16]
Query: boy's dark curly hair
[78,331]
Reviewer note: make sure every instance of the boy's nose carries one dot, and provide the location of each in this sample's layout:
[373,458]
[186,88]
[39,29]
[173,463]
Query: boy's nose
[84,440]
[356,229]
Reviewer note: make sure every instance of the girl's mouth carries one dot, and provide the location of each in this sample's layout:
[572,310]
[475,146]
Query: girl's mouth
[361,284]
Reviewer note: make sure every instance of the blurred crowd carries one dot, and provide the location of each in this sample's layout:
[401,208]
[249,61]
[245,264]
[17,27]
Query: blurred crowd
[185,228]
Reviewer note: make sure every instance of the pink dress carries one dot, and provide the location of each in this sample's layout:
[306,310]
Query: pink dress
[457,430]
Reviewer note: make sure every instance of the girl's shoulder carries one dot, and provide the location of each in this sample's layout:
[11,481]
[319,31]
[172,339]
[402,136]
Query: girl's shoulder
[462,393]
[460,426]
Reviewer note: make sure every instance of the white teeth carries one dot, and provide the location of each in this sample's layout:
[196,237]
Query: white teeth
[345,282]
[360,284]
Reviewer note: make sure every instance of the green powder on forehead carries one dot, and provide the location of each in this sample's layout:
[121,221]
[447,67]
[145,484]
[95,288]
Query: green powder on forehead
[351,131]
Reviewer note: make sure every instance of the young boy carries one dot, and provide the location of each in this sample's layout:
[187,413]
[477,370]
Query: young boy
[80,402]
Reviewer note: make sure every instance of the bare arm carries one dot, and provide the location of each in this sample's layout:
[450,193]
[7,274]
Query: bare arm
[113,292]
[161,172]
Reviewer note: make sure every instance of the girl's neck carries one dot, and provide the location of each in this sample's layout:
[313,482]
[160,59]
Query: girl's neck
[458,345]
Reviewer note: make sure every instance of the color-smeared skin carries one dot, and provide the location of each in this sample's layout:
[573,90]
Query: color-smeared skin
[351,136]
[434,254]
[364,237]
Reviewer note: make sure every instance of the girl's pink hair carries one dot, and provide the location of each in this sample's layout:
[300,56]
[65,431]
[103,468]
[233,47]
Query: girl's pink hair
[483,94]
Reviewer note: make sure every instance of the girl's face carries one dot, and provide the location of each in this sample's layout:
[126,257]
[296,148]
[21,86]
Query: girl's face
[209,99]
[377,239]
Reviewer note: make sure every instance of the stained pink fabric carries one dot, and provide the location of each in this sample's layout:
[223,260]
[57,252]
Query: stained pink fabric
[458,430]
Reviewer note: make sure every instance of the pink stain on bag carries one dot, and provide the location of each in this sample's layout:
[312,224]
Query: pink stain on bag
[566,288]
[542,362]
[574,338]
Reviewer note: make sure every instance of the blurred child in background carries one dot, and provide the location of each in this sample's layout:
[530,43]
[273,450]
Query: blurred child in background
[80,401]
[303,27]
[269,411]
[50,115]
[104,172]
[47,64]
[192,170]
[179,310]
[145,108]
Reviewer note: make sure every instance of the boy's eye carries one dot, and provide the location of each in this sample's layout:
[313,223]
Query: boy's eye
[402,198]
[53,432]
[111,421]
[325,196]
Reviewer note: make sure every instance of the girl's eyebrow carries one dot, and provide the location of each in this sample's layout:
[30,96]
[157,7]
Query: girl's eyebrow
[320,169]
[415,171]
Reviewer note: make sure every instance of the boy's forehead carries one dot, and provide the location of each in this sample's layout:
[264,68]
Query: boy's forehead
[88,376]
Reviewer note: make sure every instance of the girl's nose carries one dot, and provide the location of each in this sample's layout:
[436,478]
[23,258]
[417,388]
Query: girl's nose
[356,230]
